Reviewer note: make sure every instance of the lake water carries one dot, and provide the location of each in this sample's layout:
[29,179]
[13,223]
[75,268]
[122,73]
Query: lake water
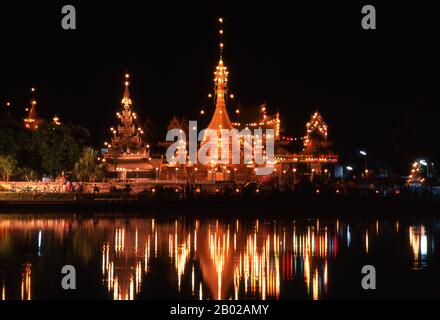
[139,257]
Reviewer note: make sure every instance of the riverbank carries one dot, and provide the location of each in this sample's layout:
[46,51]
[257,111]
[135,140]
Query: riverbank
[282,204]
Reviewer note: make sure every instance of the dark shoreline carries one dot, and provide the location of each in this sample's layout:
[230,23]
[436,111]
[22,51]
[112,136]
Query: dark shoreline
[243,207]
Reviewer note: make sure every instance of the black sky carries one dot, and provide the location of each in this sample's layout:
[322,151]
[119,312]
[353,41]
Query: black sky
[296,57]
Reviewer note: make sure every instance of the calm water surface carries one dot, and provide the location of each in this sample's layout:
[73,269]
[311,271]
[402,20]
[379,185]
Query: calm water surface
[191,258]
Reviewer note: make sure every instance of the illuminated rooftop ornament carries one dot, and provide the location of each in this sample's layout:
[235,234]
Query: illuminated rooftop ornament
[317,129]
[220,119]
[56,120]
[126,101]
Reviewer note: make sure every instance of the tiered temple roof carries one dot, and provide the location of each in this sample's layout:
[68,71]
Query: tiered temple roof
[127,151]
[316,145]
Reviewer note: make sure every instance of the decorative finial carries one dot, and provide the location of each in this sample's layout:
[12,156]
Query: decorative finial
[221,31]
[126,99]
[127,76]
[33,100]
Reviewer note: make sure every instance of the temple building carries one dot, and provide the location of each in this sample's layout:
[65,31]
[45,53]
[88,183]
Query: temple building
[316,155]
[168,171]
[127,156]
[221,120]
[415,179]
[32,121]
[255,118]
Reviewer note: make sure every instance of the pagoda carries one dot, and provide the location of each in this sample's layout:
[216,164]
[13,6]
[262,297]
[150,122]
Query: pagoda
[244,171]
[415,178]
[316,154]
[128,155]
[221,120]
[32,121]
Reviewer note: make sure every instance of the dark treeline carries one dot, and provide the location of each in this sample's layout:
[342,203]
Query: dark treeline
[32,154]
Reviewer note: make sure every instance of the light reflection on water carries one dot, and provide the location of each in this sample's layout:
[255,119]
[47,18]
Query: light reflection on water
[418,240]
[204,259]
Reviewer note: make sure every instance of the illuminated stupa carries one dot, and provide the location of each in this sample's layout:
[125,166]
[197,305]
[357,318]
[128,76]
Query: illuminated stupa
[32,121]
[220,120]
[316,155]
[128,155]
[214,168]
[215,171]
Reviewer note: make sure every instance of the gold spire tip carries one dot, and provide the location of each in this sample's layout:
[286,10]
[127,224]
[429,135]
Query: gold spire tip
[221,31]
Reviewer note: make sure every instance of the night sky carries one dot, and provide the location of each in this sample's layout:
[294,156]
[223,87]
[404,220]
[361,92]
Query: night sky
[297,58]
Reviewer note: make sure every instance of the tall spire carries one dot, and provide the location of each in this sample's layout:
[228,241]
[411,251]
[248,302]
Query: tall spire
[220,119]
[32,121]
[33,108]
[220,20]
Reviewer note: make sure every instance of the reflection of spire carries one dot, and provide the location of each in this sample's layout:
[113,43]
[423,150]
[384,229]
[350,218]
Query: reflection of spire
[207,260]
[3,291]
[220,119]
[26,282]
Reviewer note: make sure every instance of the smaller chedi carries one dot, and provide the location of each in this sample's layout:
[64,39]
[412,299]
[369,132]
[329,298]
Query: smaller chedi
[416,179]
[127,156]
[316,155]
[32,121]
[317,152]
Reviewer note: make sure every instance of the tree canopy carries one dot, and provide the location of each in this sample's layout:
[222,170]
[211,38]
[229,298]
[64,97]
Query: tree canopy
[87,168]
[50,150]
